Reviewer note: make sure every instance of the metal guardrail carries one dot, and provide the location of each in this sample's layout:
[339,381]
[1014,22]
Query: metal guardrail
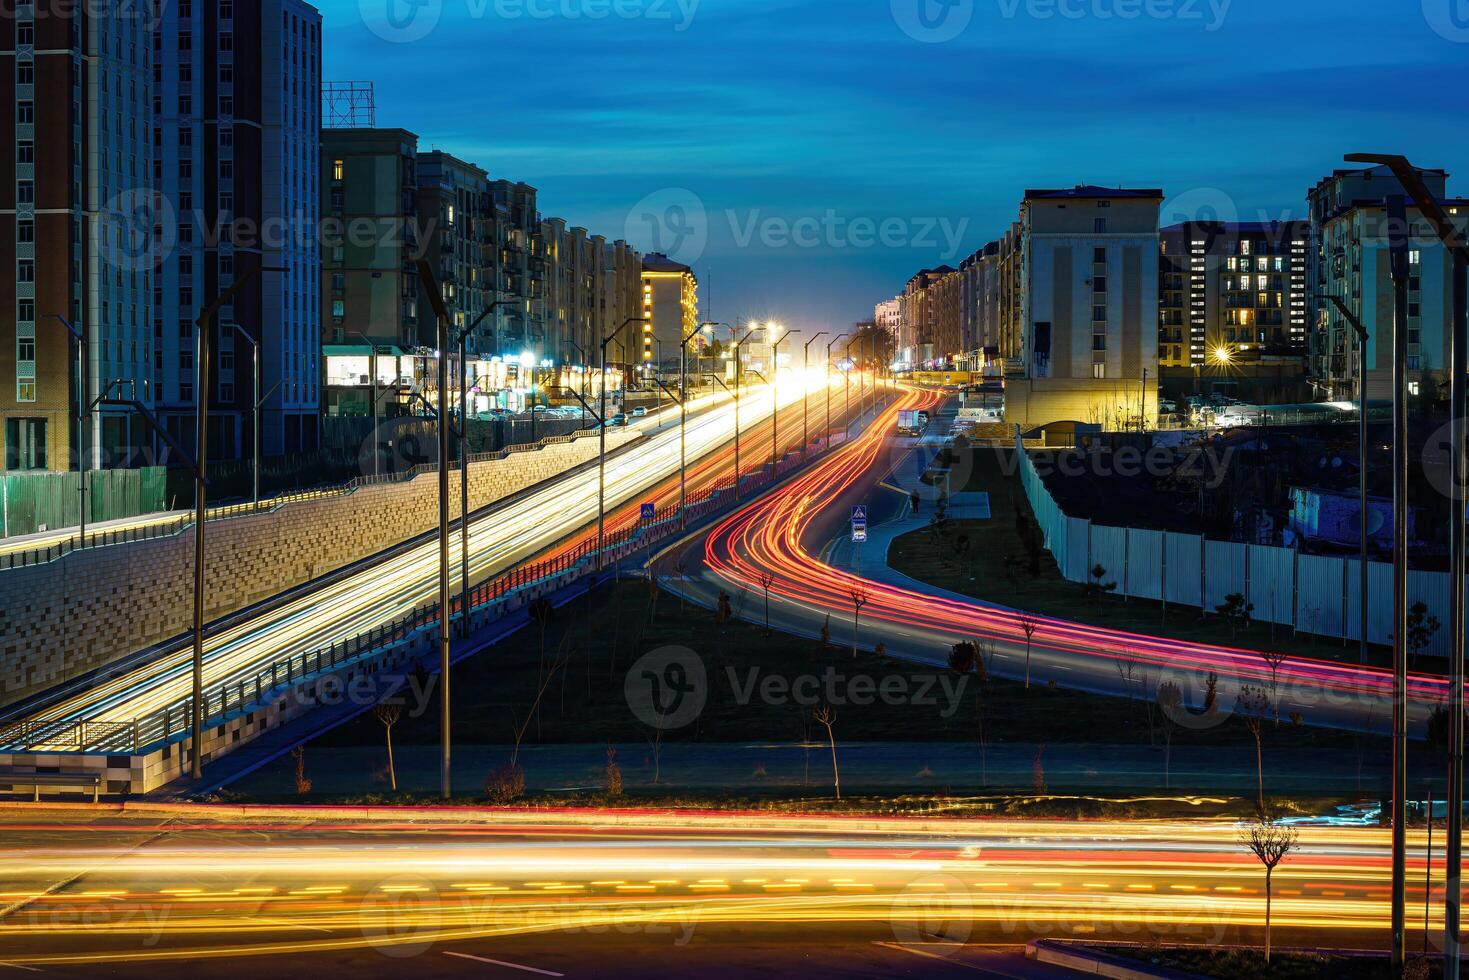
[237,693]
[55,550]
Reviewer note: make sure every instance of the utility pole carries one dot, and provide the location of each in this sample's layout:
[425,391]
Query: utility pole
[205,324]
[739,375]
[1458,249]
[259,401]
[1361,331]
[84,412]
[463,341]
[441,316]
[602,441]
[806,395]
[829,346]
[775,401]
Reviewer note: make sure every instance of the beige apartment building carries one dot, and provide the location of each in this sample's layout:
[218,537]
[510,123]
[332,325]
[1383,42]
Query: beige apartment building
[1089,308]
[670,307]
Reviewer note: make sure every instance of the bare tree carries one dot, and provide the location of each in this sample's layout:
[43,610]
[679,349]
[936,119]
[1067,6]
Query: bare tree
[1273,659]
[1252,704]
[388,713]
[827,718]
[1028,626]
[766,581]
[1170,700]
[859,599]
[542,611]
[1269,841]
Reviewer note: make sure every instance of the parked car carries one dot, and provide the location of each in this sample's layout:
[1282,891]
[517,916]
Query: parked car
[639,412]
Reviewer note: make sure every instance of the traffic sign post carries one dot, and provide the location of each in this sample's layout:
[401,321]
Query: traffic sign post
[650,512]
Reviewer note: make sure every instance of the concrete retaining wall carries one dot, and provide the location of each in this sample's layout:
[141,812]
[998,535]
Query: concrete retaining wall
[92,607]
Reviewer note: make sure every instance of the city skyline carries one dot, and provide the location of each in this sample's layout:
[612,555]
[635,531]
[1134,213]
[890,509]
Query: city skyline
[764,169]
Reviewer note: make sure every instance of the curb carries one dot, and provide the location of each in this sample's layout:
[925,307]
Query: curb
[1099,962]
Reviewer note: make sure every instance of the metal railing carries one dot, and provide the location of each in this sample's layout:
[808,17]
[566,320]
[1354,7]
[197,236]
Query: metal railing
[254,687]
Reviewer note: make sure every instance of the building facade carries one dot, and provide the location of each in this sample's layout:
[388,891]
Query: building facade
[77,218]
[1089,308]
[1353,237]
[670,306]
[237,133]
[1230,292]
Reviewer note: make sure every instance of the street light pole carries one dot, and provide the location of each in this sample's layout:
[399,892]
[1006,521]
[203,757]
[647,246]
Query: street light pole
[738,375]
[255,397]
[1361,330]
[829,346]
[84,412]
[806,395]
[683,425]
[602,442]
[205,323]
[1455,243]
[464,458]
[775,401]
[372,370]
[441,315]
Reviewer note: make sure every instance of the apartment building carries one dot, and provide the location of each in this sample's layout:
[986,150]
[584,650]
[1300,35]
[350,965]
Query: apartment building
[918,329]
[670,306]
[1089,307]
[237,132]
[1353,261]
[1231,292]
[454,214]
[370,237]
[76,229]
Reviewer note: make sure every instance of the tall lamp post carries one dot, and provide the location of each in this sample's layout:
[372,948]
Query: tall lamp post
[259,403]
[806,395]
[84,411]
[602,441]
[464,455]
[1458,249]
[683,423]
[205,323]
[775,401]
[739,373]
[1361,330]
[441,316]
[829,346]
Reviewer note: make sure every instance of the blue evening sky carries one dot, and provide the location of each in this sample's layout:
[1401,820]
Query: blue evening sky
[809,155]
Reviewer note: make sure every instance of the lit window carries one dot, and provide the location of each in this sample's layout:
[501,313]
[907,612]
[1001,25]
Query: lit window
[338,167]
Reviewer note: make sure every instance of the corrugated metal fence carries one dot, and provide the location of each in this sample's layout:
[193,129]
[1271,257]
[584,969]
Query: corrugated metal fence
[31,501]
[1314,593]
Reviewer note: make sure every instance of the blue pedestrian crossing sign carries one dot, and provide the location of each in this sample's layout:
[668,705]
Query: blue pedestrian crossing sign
[650,512]
[859,514]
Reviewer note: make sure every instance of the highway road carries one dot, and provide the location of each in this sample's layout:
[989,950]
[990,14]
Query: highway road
[785,531]
[524,528]
[647,893]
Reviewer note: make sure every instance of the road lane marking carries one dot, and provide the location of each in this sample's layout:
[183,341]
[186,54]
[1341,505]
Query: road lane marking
[512,966]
